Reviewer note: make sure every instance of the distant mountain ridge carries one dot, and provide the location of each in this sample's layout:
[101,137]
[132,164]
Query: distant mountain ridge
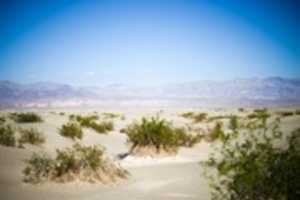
[239,92]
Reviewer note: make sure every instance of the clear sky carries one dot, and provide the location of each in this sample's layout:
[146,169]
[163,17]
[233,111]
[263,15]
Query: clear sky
[148,42]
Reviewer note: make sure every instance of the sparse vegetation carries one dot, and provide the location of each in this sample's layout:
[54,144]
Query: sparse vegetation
[297,112]
[85,163]
[109,115]
[285,113]
[197,117]
[259,114]
[157,135]
[218,117]
[2,120]
[31,136]
[29,117]
[71,130]
[90,122]
[7,136]
[216,133]
[241,109]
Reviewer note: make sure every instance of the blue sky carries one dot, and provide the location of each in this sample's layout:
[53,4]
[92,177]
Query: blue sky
[147,42]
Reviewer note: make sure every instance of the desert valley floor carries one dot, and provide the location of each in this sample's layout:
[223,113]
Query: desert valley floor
[172,177]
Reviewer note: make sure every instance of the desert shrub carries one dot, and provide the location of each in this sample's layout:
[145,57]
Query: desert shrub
[251,164]
[61,113]
[241,109]
[197,117]
[86,163]
[7,136]
[260,114]
[216,133]
[233,123]
[297,112]
[186,140]
[187,114]
[29,117]
[39,168]
[2,120]
[86,120]
[156,133]
[102,127]
[31,136]
[218,117]
[90,122]
[72,130]
[285,113]
[111,115]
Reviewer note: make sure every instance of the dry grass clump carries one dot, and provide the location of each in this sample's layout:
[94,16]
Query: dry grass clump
[196,117]
[31,136]
[7,136]
[71,130]
[29,117]
[84,163]
[90,122]
[156,136]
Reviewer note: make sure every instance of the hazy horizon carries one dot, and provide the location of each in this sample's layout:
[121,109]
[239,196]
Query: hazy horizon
[147,42]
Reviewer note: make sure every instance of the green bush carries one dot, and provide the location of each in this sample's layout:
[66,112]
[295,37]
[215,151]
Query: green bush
[7,136]
[260,114]
[72,130]
[297,112]
[31,136]
[29,117]
[86,163]
[252,165]
[157,133]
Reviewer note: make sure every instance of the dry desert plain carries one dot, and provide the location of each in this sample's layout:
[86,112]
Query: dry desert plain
[171,177]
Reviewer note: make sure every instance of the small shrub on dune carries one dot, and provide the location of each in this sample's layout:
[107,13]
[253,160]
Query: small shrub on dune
[297,112]
[2,120]
[31,136]
[102,127]
[110,115]
[29,117]
[259,114]
[39,168]
[90,122]
[7,136]
[197,117]
[71,130]
[187,114]
[285,113]
[156,136]
[216,133]
[241,109]
[84,163]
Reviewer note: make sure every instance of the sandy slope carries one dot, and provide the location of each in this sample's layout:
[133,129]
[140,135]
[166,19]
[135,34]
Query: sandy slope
[176,177]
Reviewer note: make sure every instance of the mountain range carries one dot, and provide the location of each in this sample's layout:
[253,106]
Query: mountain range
[273,91]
